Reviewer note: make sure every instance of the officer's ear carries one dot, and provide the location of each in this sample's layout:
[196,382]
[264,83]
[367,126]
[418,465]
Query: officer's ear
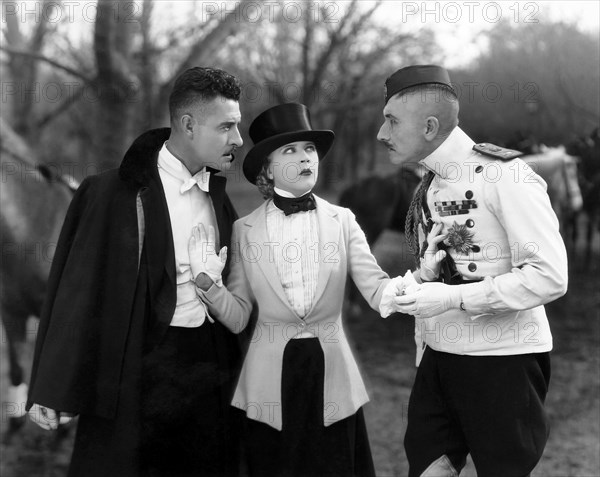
[432,127]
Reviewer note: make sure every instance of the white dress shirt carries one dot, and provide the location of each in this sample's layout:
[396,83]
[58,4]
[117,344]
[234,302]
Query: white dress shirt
[295,249]
[188,206]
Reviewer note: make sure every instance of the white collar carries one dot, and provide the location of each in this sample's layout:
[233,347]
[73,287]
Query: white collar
[453,150]
[289,195]
[177,169]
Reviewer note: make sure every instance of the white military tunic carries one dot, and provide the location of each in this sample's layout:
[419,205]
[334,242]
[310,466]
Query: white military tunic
[504,232]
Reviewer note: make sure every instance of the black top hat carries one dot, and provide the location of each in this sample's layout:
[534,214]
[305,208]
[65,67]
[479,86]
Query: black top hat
[278,126]
[415,75]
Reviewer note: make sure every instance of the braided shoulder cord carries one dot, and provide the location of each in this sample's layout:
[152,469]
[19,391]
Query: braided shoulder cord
[414,219]
[409,224]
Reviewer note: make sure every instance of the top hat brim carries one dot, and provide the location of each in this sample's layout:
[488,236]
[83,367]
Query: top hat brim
[254,160]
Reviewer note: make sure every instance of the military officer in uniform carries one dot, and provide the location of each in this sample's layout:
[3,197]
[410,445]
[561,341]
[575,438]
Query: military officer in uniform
[482,333]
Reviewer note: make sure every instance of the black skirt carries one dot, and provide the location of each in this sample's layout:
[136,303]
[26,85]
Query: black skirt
[305,447]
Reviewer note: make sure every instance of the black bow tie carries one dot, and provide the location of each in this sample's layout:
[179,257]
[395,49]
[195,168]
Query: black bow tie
[291,205]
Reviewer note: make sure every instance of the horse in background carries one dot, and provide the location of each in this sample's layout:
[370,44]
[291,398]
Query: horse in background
[34,200]
[379,203]
[560,171]
[587,149]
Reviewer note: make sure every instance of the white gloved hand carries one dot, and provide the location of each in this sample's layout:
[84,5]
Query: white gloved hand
[429,299]
[395,287]
[49,419]
[203,256]
[430,263]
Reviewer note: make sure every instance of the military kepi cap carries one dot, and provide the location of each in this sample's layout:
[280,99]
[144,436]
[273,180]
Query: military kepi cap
[415,75]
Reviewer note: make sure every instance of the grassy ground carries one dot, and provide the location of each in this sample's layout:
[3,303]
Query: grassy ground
[385,351]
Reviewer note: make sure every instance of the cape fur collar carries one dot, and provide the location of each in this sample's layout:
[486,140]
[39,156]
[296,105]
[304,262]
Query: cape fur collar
[139,164]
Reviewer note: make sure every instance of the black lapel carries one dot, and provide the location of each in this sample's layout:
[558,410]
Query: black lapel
[139,167]
[216,191]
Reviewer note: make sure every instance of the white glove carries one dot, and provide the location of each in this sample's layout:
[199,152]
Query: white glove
[49,419]
[203,256]
[430,263]
[429,299]
[396,286]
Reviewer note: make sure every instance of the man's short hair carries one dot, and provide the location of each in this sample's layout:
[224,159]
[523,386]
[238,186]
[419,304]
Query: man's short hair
[443,97]
[433,91]
[201,84]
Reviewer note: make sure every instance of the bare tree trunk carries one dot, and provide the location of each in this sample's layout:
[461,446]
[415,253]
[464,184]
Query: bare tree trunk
[334,169]
[24,68]
[372,148]
[199,56]
[147,68]
[114,83]
[307,96]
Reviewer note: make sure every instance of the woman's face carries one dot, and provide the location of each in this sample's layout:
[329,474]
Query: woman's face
[294,167]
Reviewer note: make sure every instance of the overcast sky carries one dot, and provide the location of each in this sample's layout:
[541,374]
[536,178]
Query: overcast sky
[458,24]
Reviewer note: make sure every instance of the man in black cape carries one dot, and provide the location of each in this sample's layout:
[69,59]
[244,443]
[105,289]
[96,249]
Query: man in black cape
[123,341]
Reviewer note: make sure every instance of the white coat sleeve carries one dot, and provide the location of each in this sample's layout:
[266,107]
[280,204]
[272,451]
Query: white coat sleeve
[538,272]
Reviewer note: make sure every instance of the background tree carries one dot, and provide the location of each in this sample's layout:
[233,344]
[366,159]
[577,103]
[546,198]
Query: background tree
[538,80]
[23,62]
[333,57]
[118,95]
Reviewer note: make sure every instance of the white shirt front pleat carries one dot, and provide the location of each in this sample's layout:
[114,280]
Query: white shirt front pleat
[295,240]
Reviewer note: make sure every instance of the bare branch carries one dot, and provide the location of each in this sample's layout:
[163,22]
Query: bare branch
[12,33]
[45,59]
[78,56]
[570,101]
[202,50]
[175,38]
[338,39]
[64,106]
[37,40]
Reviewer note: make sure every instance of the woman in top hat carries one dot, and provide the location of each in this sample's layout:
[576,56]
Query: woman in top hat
[299,386]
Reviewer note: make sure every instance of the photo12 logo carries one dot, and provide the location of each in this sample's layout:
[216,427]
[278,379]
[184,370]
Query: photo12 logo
[54,12]
[271,11]
[472,12]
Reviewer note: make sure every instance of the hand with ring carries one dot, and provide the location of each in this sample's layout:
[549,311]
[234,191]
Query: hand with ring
[429,299]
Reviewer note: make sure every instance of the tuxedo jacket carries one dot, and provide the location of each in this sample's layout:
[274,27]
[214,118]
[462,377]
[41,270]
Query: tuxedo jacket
[254,281]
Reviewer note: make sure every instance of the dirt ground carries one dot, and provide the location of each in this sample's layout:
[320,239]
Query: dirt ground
[385,351]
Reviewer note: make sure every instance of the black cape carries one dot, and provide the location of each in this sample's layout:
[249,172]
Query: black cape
[104,307]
